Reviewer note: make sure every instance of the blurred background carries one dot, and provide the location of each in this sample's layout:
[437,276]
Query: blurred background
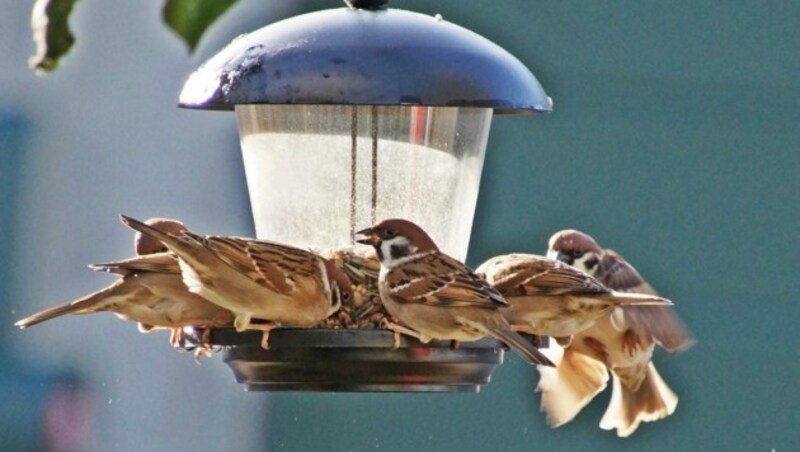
[674,140]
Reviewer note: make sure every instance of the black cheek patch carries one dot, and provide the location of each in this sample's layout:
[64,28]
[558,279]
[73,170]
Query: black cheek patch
[398,251]
[590,263]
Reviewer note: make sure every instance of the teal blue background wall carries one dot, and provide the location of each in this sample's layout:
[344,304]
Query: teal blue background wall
[675,139]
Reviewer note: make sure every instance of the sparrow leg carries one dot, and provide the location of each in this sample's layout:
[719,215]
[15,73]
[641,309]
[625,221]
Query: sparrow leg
[205,338]
[525,331]
[398,329]
[200,352]
[176,337]
[630,342]
[205,348]
[265,328]
[455,345]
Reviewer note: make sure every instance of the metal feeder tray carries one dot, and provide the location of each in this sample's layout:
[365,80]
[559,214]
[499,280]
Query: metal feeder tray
[353,360]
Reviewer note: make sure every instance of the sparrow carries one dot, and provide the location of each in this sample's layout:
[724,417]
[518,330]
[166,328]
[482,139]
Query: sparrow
[362,267]
[435,295]
[621,342]
[150,291]
[550,298]
[256,279]
[144,244]
[582,252]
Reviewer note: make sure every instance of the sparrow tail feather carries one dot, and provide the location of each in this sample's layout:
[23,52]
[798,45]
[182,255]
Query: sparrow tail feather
[520,345]
[47,314]
[93,302]
[570,386]
[653,400]
[630,298]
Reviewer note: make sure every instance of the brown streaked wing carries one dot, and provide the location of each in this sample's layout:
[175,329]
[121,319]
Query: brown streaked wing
[438,279]
[282,265]
[546,277]
[230,250]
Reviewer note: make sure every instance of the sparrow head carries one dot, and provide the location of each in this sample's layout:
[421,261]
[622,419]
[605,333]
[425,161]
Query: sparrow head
[575,248]
[341,287]
[144,244]
[395,239]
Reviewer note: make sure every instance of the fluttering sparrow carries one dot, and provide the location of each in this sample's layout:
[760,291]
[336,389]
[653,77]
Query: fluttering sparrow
[149,291]
[550,298]
[256,279]
[582,252]
[622,342]
[436,296]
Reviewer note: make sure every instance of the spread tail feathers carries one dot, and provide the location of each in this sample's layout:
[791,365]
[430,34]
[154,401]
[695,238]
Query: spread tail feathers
[653,400]
[570,386]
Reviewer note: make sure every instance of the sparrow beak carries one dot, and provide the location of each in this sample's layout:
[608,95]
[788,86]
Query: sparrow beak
[366,236]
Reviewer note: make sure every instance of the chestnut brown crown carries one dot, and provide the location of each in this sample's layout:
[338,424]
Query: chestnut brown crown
[570,245]
[144,244]
[396,227]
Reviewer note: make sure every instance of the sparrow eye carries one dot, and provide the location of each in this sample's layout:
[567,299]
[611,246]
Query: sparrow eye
[389,233]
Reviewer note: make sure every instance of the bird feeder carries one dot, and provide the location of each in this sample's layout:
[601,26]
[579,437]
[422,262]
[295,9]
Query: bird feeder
[352,115]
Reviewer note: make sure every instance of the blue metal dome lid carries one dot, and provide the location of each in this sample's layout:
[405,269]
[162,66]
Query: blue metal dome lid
[354,56]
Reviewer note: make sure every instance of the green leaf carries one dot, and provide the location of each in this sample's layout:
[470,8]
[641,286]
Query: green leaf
[51,33]
[190,18]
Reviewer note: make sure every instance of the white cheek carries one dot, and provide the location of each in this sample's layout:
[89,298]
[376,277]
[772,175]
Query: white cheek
[551,254]
[399,242]
[580,264]
[386,252]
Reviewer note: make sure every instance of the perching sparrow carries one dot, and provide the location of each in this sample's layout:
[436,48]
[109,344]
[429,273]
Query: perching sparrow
[150,291]
[435,295]
[256,279]
[550,298]
[622,342]
[362,267]
[144,244]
